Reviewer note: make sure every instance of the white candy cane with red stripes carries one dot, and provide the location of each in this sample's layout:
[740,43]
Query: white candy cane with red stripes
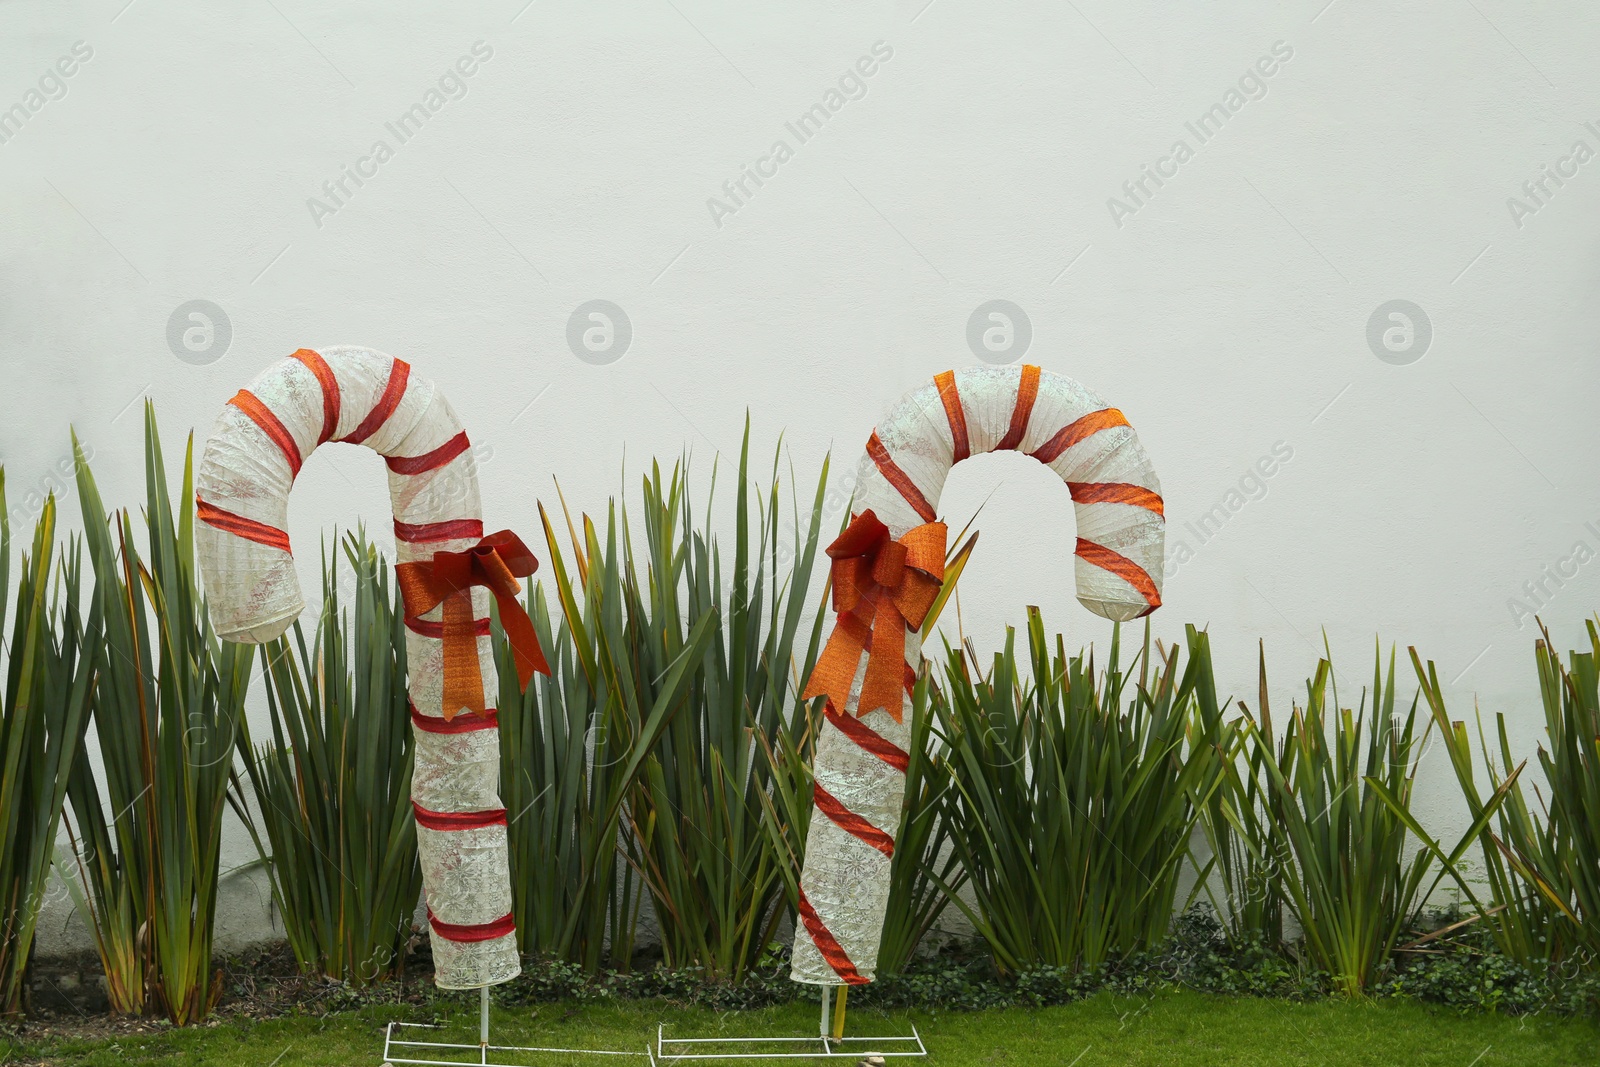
[360,396]
[861,760]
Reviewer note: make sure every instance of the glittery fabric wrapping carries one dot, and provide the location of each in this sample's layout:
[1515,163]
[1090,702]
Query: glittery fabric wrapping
[844,884]
[242,488]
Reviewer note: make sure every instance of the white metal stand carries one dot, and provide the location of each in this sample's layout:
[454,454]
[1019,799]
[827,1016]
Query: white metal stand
[397,1050]
[830,1043]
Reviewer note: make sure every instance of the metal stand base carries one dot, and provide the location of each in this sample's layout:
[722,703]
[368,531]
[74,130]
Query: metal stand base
[397,1049]
[830,1043]
[684,1049]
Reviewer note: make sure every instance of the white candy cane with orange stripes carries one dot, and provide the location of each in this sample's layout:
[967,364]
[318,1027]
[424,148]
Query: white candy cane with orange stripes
[360,396]
[861,760]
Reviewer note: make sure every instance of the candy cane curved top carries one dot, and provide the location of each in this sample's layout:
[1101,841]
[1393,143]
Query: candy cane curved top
[259,442]
[1068,428]
[261,438]
[861,760]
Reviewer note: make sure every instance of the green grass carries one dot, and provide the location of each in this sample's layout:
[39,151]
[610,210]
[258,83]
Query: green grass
[1172,1029]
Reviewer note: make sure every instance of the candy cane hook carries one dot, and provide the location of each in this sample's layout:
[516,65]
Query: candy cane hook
[887,567]
[448,571]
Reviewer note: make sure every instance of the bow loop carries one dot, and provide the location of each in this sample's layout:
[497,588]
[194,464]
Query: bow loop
[864,534]
[850,578]
[496,563]
[881,586]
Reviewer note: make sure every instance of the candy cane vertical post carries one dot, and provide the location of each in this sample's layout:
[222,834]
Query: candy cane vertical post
[887,568]
[448,570]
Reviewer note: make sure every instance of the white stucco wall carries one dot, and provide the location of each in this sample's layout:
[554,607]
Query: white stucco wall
[1225,310]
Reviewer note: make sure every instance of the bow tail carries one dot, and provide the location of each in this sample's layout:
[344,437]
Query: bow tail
[835,670]
[463,676]
[884,685]
[524,641]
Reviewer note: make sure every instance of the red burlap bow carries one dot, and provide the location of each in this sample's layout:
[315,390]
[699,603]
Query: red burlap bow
[881,586]
[496,562]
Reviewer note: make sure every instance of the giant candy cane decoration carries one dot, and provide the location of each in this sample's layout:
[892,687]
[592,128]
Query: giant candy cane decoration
[447,570]
[887,568]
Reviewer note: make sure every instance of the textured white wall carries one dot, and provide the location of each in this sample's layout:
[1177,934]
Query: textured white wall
[1366,153]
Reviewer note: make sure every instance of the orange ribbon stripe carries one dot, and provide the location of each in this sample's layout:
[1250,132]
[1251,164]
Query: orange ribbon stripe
[898,478]
[954,414]
[495,562]
[1027,393]
[881,586]
[1123,568]
[329,382]
[1116,493]
[827,944]
[272,426]
[1079,429]
[850,822]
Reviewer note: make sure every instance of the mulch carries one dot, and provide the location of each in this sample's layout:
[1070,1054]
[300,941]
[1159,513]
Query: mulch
[262,982]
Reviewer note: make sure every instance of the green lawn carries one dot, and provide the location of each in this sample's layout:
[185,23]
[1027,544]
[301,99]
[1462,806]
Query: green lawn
[1170,1029]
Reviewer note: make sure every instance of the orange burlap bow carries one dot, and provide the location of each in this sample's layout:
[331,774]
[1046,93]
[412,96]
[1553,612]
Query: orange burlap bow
[495,562]
[881,586]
